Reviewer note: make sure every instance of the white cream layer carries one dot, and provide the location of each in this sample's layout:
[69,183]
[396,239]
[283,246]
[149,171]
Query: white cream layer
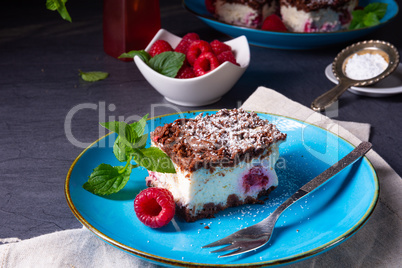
[323,20]
[242,14]
[194,189]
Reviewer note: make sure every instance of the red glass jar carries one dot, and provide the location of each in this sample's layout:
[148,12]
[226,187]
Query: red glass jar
[129,24]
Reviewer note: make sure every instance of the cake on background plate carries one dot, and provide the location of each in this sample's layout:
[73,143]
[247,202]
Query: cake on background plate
[221,160]
[249,13]
[317,15]
[297,15]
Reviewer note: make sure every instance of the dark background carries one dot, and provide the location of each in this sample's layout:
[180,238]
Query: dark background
[40,55]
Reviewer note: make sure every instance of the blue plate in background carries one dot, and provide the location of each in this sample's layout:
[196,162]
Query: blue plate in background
[323,219]
[289,40]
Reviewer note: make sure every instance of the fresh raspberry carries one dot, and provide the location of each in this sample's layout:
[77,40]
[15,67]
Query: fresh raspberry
[154,207]
[159,47]
[256,177]
[218,47]
[182,47]
[196,49]
[205,63]
[274,23]
[210,6]
[185,72]
[190,37]
[185,42]
[227,56]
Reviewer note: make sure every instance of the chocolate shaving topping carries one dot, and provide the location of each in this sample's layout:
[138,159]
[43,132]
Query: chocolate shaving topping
[254,4]
[222,139]
[314,5]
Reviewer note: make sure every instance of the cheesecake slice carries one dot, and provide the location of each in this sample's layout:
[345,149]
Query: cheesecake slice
[317,15]
[222,160]
[248,13]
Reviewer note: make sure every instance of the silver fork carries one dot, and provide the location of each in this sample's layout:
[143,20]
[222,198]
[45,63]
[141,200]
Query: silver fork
[254,237]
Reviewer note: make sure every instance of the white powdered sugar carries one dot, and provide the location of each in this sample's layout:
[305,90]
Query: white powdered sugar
[234,130]
[365,66]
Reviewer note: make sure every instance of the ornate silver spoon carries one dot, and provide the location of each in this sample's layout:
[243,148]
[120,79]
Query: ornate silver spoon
[384,49]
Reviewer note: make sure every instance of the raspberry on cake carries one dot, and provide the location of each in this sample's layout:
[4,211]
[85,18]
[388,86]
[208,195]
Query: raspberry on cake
[222,160]
[249,13]
[317,15]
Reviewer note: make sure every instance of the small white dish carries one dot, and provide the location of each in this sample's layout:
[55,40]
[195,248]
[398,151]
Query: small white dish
[390,85]
[202,90]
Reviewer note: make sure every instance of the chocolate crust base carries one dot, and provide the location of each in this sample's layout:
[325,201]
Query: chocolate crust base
[210,209]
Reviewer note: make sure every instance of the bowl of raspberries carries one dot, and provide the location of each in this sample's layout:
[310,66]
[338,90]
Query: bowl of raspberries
[189,71]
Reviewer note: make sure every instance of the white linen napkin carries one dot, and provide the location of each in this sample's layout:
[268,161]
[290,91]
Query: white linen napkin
[377,244]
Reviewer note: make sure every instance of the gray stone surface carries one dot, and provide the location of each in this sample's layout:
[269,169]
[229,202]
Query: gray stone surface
[40,56]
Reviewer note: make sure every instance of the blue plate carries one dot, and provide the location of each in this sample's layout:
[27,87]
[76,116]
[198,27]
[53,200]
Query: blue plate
[289,40]
[316,223]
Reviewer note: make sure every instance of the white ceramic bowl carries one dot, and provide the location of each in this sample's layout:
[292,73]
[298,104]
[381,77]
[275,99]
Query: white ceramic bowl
[202,90]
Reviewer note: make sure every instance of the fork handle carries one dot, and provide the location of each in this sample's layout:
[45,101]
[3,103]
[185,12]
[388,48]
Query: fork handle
[350,158]
[270,221]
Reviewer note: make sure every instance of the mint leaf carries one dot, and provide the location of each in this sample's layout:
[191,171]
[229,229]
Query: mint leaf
[380,9]
[106,179]
[126,133]
[154,159]
[144,56]
[141,142]
[87,186]
[370,19]
[129,144]
[139,126]
[369,16]
[357,21]
[93,76]
[167,63]
[53,4]
[356,25]
[130,136]
[60,6]
[358,14]
[121,150]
